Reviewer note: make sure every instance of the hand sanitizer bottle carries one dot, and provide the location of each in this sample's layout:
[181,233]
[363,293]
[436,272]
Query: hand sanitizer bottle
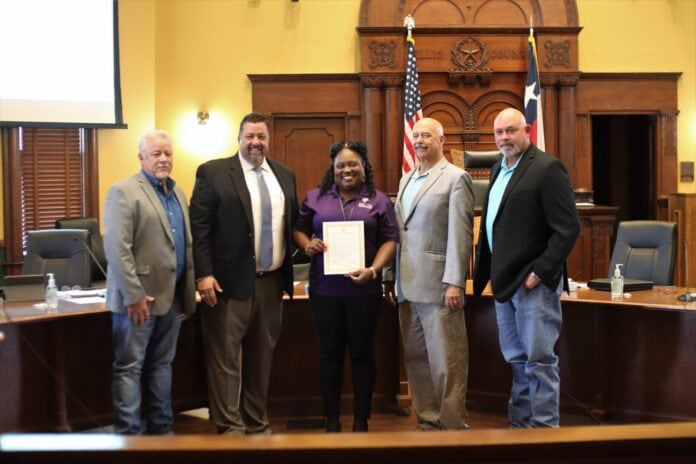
[617,284]
[51,294]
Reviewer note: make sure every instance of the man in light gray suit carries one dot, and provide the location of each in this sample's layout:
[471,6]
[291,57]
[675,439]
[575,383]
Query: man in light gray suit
[434,211]
[150,285]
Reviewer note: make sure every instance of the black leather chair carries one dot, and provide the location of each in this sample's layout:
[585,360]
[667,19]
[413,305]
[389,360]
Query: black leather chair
[478,164]
[95,241]
[60,251]
[647,250]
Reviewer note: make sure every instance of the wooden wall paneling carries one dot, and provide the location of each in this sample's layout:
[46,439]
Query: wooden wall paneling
[582,174]
[302,143]
[634,93]
[373,124]
[393,137]
[308,113]
[305,93]
[549,100]
[591,254]
[682,210]
[566,121]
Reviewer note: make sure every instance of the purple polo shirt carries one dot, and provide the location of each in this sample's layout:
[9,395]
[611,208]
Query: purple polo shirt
[377,213]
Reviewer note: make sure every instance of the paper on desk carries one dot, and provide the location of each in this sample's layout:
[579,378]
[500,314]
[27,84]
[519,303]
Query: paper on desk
[86,300]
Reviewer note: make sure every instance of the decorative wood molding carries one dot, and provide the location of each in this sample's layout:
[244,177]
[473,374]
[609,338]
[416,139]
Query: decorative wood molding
[557,53]
[382,54]
[276,78]
[460,31]
[571,13]
[622,76]
[562,79]
[382,80]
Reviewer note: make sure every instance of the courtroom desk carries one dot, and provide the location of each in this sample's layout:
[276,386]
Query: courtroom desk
[56,369]
[618,444]
[630,360]
[294,388]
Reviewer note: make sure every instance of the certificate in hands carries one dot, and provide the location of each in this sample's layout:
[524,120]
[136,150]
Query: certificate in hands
[345,247]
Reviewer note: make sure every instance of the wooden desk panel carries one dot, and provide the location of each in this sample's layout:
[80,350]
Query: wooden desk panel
[630,361]
[56,369]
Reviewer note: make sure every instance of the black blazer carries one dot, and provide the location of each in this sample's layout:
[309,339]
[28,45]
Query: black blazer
[535,229]
[222,226]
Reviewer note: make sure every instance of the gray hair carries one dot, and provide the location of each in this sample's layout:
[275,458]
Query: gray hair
[152,134]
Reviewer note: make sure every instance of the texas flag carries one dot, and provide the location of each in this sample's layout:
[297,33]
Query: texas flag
[532,96]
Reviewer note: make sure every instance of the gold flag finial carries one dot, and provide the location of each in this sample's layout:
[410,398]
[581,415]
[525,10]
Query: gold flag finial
[410,24]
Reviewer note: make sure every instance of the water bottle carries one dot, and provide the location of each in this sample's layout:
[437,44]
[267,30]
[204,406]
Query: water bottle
[51,294]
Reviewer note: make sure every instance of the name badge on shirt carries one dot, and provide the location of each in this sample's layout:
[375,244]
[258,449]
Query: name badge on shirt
[365,203]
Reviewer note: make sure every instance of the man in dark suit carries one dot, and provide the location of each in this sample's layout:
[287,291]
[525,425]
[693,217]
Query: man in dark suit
[528,228]
[242,211]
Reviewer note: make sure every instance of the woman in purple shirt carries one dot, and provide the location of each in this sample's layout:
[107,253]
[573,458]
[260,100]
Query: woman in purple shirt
[345,308]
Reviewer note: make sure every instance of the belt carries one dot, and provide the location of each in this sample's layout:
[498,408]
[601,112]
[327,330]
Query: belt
[265,273]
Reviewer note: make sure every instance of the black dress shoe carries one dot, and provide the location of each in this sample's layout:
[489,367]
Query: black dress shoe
[359,425]
[332,425]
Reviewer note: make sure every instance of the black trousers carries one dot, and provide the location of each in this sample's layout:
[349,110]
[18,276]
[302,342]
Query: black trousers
[341,322]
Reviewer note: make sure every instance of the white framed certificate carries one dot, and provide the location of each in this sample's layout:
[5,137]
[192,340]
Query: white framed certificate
[345,247]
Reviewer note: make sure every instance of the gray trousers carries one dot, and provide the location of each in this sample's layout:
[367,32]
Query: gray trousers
[238,341]
[436,355]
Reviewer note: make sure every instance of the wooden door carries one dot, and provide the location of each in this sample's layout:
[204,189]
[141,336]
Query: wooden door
[302,144]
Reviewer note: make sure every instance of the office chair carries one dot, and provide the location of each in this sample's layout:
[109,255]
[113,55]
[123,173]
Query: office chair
[647,250]
[478,164]
[95,241]
[60,251]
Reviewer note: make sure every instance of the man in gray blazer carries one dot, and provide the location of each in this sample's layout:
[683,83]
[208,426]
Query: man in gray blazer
[150,285]
[434,211]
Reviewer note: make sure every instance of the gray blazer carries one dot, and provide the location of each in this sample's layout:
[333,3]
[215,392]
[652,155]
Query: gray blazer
[436,235]
[140,250]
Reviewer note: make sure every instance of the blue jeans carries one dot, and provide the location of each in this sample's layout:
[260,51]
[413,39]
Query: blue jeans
[528,326]
[145,351]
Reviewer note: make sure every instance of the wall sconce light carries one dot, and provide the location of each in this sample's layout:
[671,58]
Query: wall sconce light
[203,117]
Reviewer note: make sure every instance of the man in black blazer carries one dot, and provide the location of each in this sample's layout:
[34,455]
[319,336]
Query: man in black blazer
[529,225]
[242,211]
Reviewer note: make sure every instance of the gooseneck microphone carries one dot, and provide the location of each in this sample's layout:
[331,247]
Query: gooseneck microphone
[688,296]
[91,255]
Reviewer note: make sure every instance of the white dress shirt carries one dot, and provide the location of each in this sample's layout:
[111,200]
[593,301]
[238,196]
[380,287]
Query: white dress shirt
[278,205]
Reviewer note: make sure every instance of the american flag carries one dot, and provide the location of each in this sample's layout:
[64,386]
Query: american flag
[532,96]
[413,111]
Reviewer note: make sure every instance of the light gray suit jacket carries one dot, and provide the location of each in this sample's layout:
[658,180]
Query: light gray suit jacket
[436,235]
[140,252]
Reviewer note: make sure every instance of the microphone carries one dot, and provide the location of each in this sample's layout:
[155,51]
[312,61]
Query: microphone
[688,296]
[91,255]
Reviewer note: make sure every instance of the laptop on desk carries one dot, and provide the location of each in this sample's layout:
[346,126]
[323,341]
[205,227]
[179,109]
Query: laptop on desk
[630,285]
[27,287]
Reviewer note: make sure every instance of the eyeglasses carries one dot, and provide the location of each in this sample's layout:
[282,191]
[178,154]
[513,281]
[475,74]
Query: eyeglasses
[508,130]
[67,288]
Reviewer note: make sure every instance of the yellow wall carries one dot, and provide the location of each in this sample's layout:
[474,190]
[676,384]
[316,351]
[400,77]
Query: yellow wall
[646,36]
[181,56]
[118,148]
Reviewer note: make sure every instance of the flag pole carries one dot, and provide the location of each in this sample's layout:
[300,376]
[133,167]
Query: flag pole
[413,110]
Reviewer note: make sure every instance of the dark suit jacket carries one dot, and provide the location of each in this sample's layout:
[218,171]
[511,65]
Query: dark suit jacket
[223,228]
[535,229]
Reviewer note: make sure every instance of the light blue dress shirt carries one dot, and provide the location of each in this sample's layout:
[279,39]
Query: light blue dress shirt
[411,189]
[496,195]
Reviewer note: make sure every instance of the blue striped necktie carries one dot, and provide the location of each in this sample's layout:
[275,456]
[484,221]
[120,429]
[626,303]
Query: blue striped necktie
[266,222]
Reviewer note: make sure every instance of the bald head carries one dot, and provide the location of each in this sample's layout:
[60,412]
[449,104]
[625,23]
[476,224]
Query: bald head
[511,134]
[428,142]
